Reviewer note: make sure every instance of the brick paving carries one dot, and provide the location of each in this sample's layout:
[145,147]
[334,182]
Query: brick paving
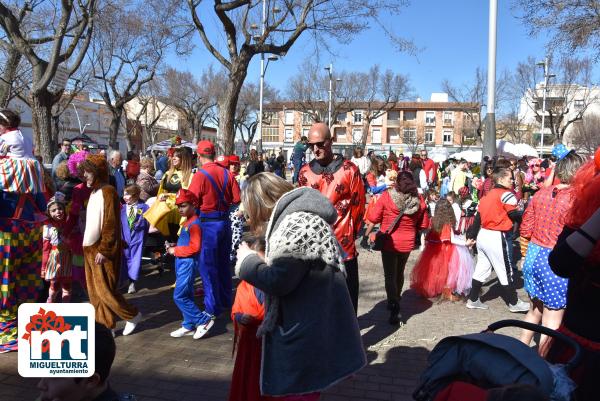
[154,367]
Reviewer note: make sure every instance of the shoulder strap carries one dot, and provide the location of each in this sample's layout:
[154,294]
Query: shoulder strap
[394,223]
[220,192]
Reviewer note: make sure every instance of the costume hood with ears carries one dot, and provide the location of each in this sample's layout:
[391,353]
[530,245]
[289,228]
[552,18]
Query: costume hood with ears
[99,166]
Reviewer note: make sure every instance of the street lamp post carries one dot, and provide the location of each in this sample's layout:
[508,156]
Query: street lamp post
[489,141]
[544,65]
[81,129]
[263,69]
[329,69]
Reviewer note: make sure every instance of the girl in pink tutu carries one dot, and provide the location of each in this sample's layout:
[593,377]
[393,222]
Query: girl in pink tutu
[445,267]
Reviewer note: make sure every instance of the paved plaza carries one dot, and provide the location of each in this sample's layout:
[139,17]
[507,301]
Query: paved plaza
[154,366]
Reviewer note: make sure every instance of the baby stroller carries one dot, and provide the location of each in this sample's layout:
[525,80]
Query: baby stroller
[467,367]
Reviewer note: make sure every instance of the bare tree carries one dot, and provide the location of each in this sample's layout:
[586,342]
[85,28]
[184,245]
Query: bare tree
[246,116]
[372,94]
[309,90]
[194,100]
[585,136]
[128,50]
[573,24]
[48,35]
[566,100]
[511,127]
[285,22]
[475,93]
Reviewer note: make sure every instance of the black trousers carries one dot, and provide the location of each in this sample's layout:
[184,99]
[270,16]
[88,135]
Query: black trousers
[393,272]
[352,281]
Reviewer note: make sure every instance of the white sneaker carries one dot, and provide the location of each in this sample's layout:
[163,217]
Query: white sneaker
[204,328]
[476,305]
[182,331]
[130,325]
[131,289]
[520,306]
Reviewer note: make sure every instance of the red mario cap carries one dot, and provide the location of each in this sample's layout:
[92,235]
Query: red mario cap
[205,148]
[184,195]
[234,159]
[223,161]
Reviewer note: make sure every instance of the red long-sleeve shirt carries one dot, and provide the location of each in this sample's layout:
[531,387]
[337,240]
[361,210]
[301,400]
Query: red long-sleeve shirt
[193,247]
[207,197]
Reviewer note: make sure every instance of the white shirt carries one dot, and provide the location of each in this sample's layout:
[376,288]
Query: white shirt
[17,145]
[363,164]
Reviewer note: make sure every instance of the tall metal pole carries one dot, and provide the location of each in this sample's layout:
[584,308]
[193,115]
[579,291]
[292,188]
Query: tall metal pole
[262,78]
[330,92]
[489,141]
[78,120]
[544,106]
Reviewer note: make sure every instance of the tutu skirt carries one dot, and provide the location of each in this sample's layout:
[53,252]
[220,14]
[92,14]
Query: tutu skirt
[430,274]
[460,270]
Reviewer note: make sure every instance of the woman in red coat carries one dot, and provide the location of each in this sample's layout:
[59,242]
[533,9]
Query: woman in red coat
[401,198]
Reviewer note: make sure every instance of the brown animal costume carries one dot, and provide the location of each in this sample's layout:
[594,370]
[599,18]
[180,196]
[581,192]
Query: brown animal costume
[103,235]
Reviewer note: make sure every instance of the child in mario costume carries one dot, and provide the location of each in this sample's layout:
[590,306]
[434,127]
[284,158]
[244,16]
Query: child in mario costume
[195,322]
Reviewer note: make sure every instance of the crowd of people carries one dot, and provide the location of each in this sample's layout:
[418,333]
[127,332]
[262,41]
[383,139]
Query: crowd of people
[294,245]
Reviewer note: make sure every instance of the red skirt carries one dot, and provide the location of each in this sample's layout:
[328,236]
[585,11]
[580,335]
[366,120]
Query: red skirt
[430,274]
[245,381]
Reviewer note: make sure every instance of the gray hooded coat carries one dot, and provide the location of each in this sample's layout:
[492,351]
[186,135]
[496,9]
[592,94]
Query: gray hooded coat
[314,340]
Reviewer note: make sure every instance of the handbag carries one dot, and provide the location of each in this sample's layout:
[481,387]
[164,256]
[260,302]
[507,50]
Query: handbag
[382,236]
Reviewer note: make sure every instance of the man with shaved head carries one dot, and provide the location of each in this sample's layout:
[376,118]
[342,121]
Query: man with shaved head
[340,181]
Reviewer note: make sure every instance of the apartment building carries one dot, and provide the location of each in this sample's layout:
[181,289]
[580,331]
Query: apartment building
[406,127]
[565,108]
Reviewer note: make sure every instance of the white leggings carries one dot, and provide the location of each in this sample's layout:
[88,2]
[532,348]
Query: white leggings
[494,250]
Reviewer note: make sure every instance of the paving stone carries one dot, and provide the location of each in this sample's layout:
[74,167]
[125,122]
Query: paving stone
[156,367]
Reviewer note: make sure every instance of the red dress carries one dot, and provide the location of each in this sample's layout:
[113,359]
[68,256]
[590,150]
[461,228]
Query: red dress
[430,274]
[342,184]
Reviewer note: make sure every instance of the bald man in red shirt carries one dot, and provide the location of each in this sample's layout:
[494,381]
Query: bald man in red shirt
[217,191]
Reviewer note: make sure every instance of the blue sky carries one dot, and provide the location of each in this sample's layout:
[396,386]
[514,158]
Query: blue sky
[453,36]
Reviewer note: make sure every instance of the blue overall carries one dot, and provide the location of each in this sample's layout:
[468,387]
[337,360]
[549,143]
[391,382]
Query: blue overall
[185,272]
[214,256]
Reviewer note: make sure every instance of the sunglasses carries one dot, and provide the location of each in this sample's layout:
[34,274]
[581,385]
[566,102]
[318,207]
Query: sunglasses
[319,145]
[536,165]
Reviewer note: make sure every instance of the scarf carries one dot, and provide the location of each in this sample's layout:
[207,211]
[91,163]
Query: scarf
[406,203]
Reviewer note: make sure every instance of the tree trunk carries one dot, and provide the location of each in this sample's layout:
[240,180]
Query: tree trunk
[13,58]
[45,144]
[115,123]
[365,133]
[228,104]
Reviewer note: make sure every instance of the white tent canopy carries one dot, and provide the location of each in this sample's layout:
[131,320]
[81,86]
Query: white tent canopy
[166,144]
[473,156]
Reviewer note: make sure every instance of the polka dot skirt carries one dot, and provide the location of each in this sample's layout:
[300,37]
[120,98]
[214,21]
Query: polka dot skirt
[540,281]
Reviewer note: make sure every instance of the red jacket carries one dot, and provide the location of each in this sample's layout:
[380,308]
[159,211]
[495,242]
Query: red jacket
[342,184]
[208,199]
[403,235]
[430,169]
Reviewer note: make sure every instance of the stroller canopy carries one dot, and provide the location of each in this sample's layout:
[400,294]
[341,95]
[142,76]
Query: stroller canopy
[487,359]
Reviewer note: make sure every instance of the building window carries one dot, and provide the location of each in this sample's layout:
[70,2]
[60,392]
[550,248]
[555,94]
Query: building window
[410,115]
[339,132]
[271,118]
[429,135]
[289,135]
[307,119]
[393,134]
[341,117]
[410,135]
[430,118]
[378,120]
[270,134]
[448,117]
[376,135]
[357,135]
[447,138]
[305,132]
[578,104]
[289,117]
[358,116]
[393,115]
